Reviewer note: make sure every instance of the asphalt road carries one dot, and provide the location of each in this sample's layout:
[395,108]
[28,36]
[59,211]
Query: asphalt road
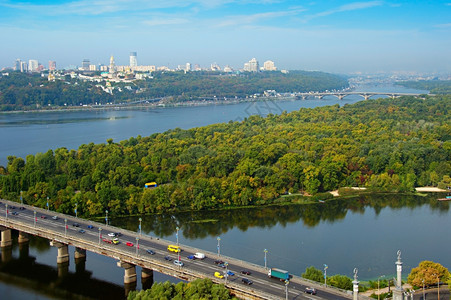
[258,276]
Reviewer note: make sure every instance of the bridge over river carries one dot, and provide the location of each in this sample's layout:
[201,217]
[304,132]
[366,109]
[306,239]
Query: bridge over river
[86,235]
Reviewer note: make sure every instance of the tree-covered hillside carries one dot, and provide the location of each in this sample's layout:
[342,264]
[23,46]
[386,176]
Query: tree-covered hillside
[384,144]
[23,91]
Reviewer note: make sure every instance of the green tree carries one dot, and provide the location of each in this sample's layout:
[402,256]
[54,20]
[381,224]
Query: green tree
[313,273]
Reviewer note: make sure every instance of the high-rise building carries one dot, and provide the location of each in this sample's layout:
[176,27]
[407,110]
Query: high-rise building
[85,64]
[17,64]
[92,68]
[269,66]
[23,66]
[33,65]
[52,65]
[133,59]
[112,65]
[251,66]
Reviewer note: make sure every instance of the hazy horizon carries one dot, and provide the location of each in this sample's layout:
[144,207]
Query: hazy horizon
[331,36]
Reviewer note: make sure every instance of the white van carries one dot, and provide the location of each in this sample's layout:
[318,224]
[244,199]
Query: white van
[199,255]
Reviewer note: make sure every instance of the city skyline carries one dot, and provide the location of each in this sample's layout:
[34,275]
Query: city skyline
[345,37]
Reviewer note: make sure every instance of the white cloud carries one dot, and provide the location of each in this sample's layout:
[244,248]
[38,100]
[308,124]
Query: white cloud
[345,8]
[165,21]
[250,19]
[446,25]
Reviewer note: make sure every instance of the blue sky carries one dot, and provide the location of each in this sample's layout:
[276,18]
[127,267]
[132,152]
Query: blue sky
[327,35]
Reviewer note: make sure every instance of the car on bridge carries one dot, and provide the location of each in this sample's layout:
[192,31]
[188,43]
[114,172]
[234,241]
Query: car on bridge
[173,248]
[108,241]
[55,218]
[191,257]
[15,213]
[111,234]
[230,273]
[245,272]
[218,262]
[22,208]
[151,252]
[178,263]
[82,231]
[116,241]
[90,226]
[218,275]
[310,290]
[130,244]
[43,217]
[76,225]
[167,258]
[246,281]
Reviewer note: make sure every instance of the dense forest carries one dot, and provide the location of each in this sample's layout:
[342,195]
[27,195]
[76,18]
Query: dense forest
[384,144]
[23,91]
[203,289]
[434,86]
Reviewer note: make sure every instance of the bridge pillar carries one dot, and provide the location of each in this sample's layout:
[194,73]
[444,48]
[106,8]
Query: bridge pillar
[129,272]
[24,250]
[7,254]
[80,260]
[6,238]
[63,252]
[146,278]
[23,237]
[80,253]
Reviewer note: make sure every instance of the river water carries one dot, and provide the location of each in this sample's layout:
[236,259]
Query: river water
[364,232]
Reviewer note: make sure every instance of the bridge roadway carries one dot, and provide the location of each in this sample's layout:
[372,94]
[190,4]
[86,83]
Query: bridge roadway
[27,221]
[365,95]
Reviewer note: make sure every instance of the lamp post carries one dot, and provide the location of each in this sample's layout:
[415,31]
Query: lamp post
[34,213]
[286,289]
[137,246]
[177,234]
[140,232]
[219,246]
[325,274]
[423,289]
[6,211]
[226,264]
[48,204]
[106,217]
[438,287]
[76,210]
[21,199]
[266,251]
[100,234]
[378,291]
[65,227]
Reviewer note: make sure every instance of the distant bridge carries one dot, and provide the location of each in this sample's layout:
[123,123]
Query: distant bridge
[365,95]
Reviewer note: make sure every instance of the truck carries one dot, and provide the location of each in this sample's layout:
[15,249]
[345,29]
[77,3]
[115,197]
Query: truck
[278,273]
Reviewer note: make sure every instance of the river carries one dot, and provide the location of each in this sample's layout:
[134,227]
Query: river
[364,232]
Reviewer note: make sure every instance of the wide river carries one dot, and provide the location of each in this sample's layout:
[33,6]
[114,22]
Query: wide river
[363,232]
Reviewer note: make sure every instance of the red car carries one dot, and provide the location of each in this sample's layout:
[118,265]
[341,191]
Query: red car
[107,241]
[43,217]
[130,244]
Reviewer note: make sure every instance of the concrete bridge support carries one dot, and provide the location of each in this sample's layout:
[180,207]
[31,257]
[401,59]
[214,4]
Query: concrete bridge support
[7,254]
[80,260]
[129,272]
[63,252]
[146,278]
[6,238]
[23,237]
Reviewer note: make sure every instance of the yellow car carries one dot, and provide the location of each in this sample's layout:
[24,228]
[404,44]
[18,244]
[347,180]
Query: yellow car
[173,248]
[116,241]
[219,275]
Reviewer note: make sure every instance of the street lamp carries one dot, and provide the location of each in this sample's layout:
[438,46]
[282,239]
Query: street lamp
[137,246]
[219,246]
[266,251]
[65,227]
[325,274]
[226,264]
[48,203]
[34,212]
[140,232]
[286,289]
[76,211]
[438,287]
[378,291]
[21,199]
[100,234]
[423,289]
[177,234]
[6,211]
[106,218]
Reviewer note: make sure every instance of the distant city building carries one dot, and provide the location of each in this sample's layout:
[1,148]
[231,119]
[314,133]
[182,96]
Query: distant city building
[23,66]
[92,68]
[112,65]
[269,66]
[145,68]
[133,59]
[197,67]
[33,65]
[103,68]
[215,67]
[40,68]
[85,64]
[251,66]
[187,67]
[52,65]
[228,69]
[246,67]
[17,64]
